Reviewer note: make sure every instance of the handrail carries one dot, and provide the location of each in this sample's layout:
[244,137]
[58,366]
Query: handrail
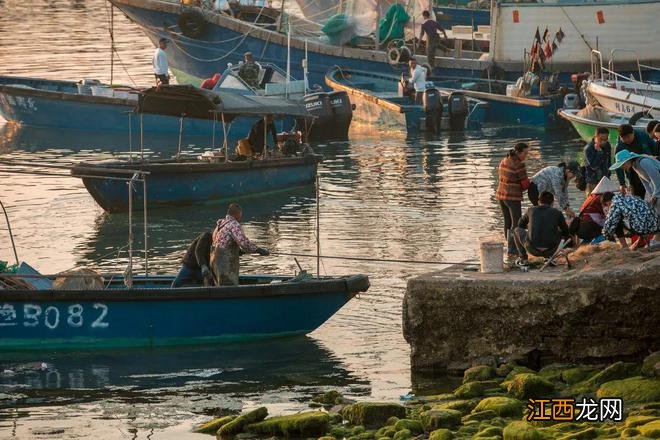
[596,60]
[611,62]
[70,167]
[649,67]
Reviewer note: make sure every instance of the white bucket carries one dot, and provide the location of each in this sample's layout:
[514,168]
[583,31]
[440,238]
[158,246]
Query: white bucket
[102,91]
[491,252]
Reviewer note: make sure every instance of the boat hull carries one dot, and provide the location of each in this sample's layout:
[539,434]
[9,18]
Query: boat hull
[625,102]
[586,128]
[155,315]
[196,182]
[60,106]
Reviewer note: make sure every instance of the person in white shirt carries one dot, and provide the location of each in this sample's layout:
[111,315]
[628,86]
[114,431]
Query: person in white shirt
[417,79]
[160,63]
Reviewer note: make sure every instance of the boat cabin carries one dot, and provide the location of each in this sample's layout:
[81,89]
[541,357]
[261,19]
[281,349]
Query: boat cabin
[272,81]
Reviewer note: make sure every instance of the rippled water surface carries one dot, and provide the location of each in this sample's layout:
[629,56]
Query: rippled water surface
[382,196]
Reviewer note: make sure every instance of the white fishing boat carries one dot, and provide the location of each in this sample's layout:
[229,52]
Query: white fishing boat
[619,94]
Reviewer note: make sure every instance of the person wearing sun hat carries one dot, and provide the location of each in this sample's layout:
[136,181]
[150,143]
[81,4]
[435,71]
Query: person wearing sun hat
[648,170]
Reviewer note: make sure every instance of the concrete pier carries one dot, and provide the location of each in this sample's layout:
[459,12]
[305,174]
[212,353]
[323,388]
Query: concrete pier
[453,319]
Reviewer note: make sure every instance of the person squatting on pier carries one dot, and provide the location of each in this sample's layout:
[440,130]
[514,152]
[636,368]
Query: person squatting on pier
[555,179]
[228,242]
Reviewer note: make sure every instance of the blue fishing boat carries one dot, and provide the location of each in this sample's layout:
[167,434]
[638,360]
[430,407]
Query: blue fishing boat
[380,103]
[151,313]
[212,176]
[71,105]
[460,14]
[205,40]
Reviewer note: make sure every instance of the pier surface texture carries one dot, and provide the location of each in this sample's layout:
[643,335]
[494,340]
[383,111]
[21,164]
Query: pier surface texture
[453,319]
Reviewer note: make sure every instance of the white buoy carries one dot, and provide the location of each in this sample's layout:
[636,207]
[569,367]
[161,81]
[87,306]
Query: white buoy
[490,254]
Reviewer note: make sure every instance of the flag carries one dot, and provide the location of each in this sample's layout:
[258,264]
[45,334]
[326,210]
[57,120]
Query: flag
[537,37]
[560,35]
[554,47]
[534,49]
[547,51]
[545,34]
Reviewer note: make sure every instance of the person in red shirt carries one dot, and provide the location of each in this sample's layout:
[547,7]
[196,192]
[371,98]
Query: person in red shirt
[512,182]
[209,83]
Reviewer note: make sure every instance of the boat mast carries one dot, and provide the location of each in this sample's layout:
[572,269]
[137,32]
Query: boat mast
[288,59]
[112,42]
[318,225]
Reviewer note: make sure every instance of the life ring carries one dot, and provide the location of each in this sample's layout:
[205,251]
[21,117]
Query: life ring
[192,23]
[398,55]
[639,115]
[404,54]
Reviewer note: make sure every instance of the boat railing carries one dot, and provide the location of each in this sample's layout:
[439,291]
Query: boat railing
[634,52]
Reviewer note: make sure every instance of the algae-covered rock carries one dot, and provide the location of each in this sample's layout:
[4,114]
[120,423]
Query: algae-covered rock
[635,389]
[469,390]
[489,431]
[576,374]
[481,415]
[517,369]
[335,418]
[392,421]
[301,425]
[479,372]
[651,430]
[502,406]
[441,434]
[367,435]
[618,370]
[390,431]
[340,432]
[629,432]
[331,397]
[326,437]
[441,418]
[529,385]
[651,365]
[636,420]
[212,426]
[413,426]
[462,405]
[372,415]
[583,434]
[522,431]
[357,430]
[239,423]
[404,434]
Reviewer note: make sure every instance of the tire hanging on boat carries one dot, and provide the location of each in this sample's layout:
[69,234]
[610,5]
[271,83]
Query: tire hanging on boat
[634,119]
[398,55]
[192,23]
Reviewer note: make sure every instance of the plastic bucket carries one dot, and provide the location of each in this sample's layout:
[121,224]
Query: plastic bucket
[491,253]
[102,91]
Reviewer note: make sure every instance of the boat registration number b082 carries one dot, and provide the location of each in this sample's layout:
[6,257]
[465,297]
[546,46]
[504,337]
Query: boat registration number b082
[52,317]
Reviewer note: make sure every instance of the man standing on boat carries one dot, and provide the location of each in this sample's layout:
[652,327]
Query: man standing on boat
[417,79]
[195,264]
[249,71]
[431,28]
[228,242]
[161,69]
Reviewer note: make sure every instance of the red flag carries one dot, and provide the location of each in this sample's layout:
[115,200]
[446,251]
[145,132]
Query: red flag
[537,37]
[547,50]
[545,34]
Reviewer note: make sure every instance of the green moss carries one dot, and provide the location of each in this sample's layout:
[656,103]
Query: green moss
[503,406]
[517,369]
[553,372]
[629,432]
[391,421]
[441,434]
[331,397]
[469,390]
[372,415]
[632,421]
[340,432]
[618,370]
[574,375]
[212,426]
[384,438]
[584,434]
[436,398]
[651,365]
[651,429]
[367,435]
[464,406]
[357,430]
[390,431]
[305,424]
[240,422]
[490,431]
[413,426]
[634,389]
[523,431]
[479,372]
[481,415]
[528,385]
[441,418]
[335,418]
[404,434]
[326,437]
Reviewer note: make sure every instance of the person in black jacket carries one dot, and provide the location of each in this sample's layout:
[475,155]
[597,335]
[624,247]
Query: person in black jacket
[195,263]
[257,138]
[540,230]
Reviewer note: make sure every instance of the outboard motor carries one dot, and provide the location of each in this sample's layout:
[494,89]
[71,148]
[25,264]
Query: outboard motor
[571,100]
[342,110]
[432,108]
[458,110]
[318,105]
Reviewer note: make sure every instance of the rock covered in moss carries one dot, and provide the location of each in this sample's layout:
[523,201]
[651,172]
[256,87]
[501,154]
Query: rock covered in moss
[326,437]
[636,420]
[651,365]
[372,415]
[301,425]
[212,426]
[517,369]
[587,433]
[329,398]
[441,434]
[651,429]
[576,374]
[441,418]
[367,435]
[553,372]
[522,431]
[469,390]
[526,385]
[635,389]
[403,434]
[340,432]
[239,423]
[479,372]
[618,370]
[414,426]
[502,406]
[489,432]
[462,405]
[481,415]
[357,430]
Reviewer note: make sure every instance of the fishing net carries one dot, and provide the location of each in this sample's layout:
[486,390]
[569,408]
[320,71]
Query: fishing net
[594,113]
[78,279]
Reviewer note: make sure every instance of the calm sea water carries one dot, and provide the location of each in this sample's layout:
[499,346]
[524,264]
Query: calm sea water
[382,196]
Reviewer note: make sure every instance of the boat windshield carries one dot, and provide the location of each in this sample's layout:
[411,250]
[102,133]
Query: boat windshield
[270,81]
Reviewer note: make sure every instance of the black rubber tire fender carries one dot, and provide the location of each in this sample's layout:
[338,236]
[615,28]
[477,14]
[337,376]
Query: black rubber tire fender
[192,23]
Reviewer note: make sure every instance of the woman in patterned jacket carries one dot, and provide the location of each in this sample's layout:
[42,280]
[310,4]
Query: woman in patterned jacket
[626,212]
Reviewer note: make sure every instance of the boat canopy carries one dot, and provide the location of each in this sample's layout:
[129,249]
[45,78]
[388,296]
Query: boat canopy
[193,102]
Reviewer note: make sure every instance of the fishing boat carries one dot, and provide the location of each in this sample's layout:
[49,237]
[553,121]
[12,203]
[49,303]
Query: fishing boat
[617,93]
[380,102]
[212,176]
[586,124]
[89,310]
[204,39]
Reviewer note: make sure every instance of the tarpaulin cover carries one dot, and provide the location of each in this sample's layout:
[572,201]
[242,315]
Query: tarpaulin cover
[393,25]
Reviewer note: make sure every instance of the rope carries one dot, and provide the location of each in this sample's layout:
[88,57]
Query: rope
[377,260]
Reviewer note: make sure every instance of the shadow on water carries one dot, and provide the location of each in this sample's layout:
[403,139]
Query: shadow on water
[227,371]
